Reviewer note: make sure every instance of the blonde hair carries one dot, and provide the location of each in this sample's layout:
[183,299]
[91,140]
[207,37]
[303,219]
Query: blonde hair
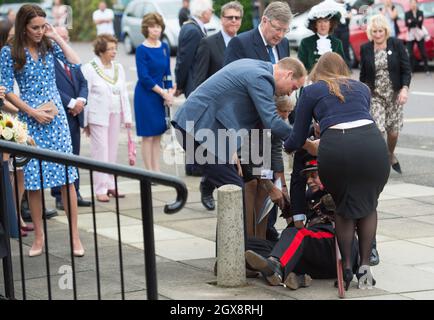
[378,21]
[332,69]
[282,102]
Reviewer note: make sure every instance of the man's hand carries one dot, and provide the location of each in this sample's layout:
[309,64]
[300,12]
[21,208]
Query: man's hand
[78,108]
[312,146]
[86,131]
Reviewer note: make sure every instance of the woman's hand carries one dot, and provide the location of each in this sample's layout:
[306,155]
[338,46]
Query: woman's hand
[51,33]
[312,146]
[128,125]
[2,92]
[41,116]
[403,96]
[86,131]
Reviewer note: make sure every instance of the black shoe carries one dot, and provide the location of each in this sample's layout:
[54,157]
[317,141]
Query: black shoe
[272,234]
[83,203]
[207,199]
[270,267]
[50,213]
[25,214]
[294,281]
[348,277]
[397,167]
[374,259]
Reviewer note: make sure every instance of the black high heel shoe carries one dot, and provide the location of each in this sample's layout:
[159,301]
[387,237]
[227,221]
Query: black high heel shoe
[366,280]
[348,277]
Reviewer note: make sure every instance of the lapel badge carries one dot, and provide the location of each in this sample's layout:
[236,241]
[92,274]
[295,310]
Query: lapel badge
[389,52]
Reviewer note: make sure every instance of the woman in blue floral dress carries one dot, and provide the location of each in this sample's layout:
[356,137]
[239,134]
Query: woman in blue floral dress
[30,60]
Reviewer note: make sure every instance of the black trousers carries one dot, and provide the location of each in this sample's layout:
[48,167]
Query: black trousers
[308,250]
[421,46]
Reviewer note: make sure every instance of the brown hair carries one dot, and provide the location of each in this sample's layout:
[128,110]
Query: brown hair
[26,13]
[101,42]
[5,28]
[152,19]
[332,69]
[333,24]
[293,64]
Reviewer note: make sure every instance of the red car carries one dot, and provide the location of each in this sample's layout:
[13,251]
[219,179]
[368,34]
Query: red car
[358,35]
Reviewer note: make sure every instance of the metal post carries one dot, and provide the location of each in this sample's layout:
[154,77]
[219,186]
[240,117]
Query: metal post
[7,261]
[148,240]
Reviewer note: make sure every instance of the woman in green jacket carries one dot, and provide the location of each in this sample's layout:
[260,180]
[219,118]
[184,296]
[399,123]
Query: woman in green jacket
[322,20]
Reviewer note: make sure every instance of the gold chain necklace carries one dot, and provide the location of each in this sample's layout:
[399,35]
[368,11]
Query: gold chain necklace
[104,76]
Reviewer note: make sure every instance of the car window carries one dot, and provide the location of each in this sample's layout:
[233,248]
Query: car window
[427,8]
[149,7]
[171,9]
[378,8]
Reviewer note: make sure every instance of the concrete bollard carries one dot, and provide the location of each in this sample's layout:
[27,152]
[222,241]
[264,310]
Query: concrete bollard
[231,265]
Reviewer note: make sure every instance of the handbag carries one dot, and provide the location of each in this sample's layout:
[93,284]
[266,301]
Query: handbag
[132,153]
[49,107]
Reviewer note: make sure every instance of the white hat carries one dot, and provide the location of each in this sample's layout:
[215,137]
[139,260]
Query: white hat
[328,9]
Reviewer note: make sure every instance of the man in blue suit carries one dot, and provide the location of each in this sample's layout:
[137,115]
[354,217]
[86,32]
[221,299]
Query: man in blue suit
[267,42]
[238,97]
[73,91]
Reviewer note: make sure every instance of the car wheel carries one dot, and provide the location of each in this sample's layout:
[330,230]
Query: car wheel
[128,45]
[353,60]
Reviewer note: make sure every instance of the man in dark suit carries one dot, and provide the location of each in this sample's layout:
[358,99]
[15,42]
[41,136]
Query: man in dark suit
[209,60]
[73,91]
[192,31]
[267,42]
[184,13]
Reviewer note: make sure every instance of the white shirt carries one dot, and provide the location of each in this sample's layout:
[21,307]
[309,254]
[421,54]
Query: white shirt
[275,53]
[106,27]
[226,37]
[323,44]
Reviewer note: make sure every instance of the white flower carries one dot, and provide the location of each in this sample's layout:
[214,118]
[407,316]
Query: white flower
[8,133]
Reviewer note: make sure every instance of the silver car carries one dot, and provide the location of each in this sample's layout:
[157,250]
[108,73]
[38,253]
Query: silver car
[169,9]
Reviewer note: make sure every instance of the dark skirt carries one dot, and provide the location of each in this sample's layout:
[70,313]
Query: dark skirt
[353,165]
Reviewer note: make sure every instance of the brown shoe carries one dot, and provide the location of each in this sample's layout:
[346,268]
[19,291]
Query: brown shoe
[294,281]
[115,194]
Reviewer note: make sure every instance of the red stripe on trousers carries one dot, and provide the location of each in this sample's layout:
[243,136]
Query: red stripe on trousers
[298,239]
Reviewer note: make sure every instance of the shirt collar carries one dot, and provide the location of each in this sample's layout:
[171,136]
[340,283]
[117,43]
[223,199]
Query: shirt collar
[262,36]
[322,37]
[226,37]
[200,23]
[99,62]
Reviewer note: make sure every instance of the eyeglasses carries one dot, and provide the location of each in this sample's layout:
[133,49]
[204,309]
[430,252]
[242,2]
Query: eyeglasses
[277,29]
[237,18]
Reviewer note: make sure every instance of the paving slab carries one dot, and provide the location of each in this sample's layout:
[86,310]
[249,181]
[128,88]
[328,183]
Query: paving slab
[404,228]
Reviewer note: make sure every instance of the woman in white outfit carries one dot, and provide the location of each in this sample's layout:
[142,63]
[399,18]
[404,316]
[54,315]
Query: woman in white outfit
[107,108]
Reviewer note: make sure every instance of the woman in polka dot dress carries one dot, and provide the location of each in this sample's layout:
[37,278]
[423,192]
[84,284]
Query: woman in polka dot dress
[30,60]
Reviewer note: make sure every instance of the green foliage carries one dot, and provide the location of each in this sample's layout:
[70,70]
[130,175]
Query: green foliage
[247,19]
[83,27]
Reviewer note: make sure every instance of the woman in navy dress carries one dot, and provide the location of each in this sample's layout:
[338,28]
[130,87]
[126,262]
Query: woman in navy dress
[153,90]
[30,60]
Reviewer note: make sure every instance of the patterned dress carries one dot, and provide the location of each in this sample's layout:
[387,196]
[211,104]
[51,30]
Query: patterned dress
[385,110]
[37,84]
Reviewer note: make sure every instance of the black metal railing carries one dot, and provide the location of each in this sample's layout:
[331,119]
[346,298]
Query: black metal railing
[145,179]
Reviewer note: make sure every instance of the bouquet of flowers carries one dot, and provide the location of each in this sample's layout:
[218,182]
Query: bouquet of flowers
[11,129]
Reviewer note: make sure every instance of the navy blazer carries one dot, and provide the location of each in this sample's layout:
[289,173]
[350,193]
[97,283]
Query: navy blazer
[398,64]
[188,42]
[250,45]
[70,89]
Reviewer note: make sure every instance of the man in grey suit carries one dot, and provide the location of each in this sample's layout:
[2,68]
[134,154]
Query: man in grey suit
[238,97]
[209,60]
[267,42]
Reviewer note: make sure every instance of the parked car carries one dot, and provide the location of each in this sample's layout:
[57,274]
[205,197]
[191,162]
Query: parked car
[4,8]
[358,26]
[136,9]
[298,30]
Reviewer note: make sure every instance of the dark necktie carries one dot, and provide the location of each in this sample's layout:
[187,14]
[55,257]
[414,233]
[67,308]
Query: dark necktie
[271,54]
[68,71]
